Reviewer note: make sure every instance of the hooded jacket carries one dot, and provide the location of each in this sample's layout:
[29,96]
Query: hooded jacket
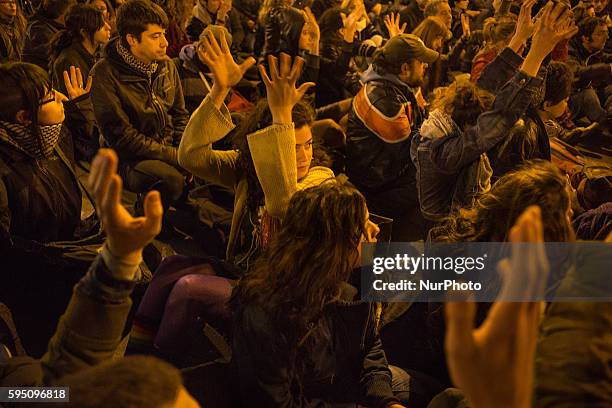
[451,165]
[140,119]
[384,116]
[188,67]
[282,30]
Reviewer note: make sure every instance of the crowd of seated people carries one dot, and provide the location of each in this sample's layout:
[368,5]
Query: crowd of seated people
[187,186]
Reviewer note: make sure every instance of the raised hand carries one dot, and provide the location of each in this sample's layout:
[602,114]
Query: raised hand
[281,92]
[224,8]
[525,26]
[74,83]
[311,35]
[392,22]
[554,25]
[126,236]
[350,24]
[493,365]
[226,72]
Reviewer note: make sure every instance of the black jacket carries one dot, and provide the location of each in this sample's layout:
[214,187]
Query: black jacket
[38,38]
[534,143]
[41,201]
[412,16]
[384,116]
[345,365]
[335,58]
[590,70]
[82,119]
[140,119]
[232,24]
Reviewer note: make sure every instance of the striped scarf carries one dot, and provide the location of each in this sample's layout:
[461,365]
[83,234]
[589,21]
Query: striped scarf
[147,69]
[39,146]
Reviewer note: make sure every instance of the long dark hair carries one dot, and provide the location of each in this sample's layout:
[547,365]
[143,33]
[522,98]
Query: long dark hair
[19,24]
[80,17]
[306,263]
[259,118]
[494,213]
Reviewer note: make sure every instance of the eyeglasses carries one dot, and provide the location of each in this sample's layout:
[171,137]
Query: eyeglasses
[48,99]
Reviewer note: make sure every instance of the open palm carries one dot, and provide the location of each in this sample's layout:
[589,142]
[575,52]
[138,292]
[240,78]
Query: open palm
[218,58]
[126,235]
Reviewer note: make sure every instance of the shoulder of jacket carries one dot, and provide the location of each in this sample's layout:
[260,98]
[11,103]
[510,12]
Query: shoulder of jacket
[387,99]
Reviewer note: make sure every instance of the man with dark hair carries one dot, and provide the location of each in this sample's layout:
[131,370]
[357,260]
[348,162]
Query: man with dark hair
[138,101]
[593,71]
[385,113]
[44,24]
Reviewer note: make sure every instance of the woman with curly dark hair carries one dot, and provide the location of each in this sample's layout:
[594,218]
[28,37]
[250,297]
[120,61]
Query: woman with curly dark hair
[300,338]
[272,160]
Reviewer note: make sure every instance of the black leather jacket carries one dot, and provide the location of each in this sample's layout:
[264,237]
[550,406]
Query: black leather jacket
[346,365]
[384,116]
[139,119]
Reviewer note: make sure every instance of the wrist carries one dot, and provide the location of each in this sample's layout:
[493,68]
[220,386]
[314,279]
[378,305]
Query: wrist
[282,116]
[122,266]
[218,94]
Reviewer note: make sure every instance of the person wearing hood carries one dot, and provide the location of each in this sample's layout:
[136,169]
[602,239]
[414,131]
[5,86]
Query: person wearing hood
[450,149]
[44,24]
[138,102]
[12,31]
[385,114]
[190,68]
[338,46]
[217,12]
[296,33]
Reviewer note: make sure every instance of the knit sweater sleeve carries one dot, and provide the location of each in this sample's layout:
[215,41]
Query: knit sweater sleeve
[195,153]
[273,153]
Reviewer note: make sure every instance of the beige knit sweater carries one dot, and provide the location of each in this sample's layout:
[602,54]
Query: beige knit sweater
[273,153]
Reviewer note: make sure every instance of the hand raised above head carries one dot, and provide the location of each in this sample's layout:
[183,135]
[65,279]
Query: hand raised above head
[281,91]
[392,22]
[218,58]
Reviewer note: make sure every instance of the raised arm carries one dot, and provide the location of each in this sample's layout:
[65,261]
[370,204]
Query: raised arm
[510,104]
[81,341]
[211,121]
[273,148]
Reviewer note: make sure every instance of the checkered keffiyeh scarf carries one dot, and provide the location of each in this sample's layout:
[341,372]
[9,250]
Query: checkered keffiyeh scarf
[147,69]
[39,147]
